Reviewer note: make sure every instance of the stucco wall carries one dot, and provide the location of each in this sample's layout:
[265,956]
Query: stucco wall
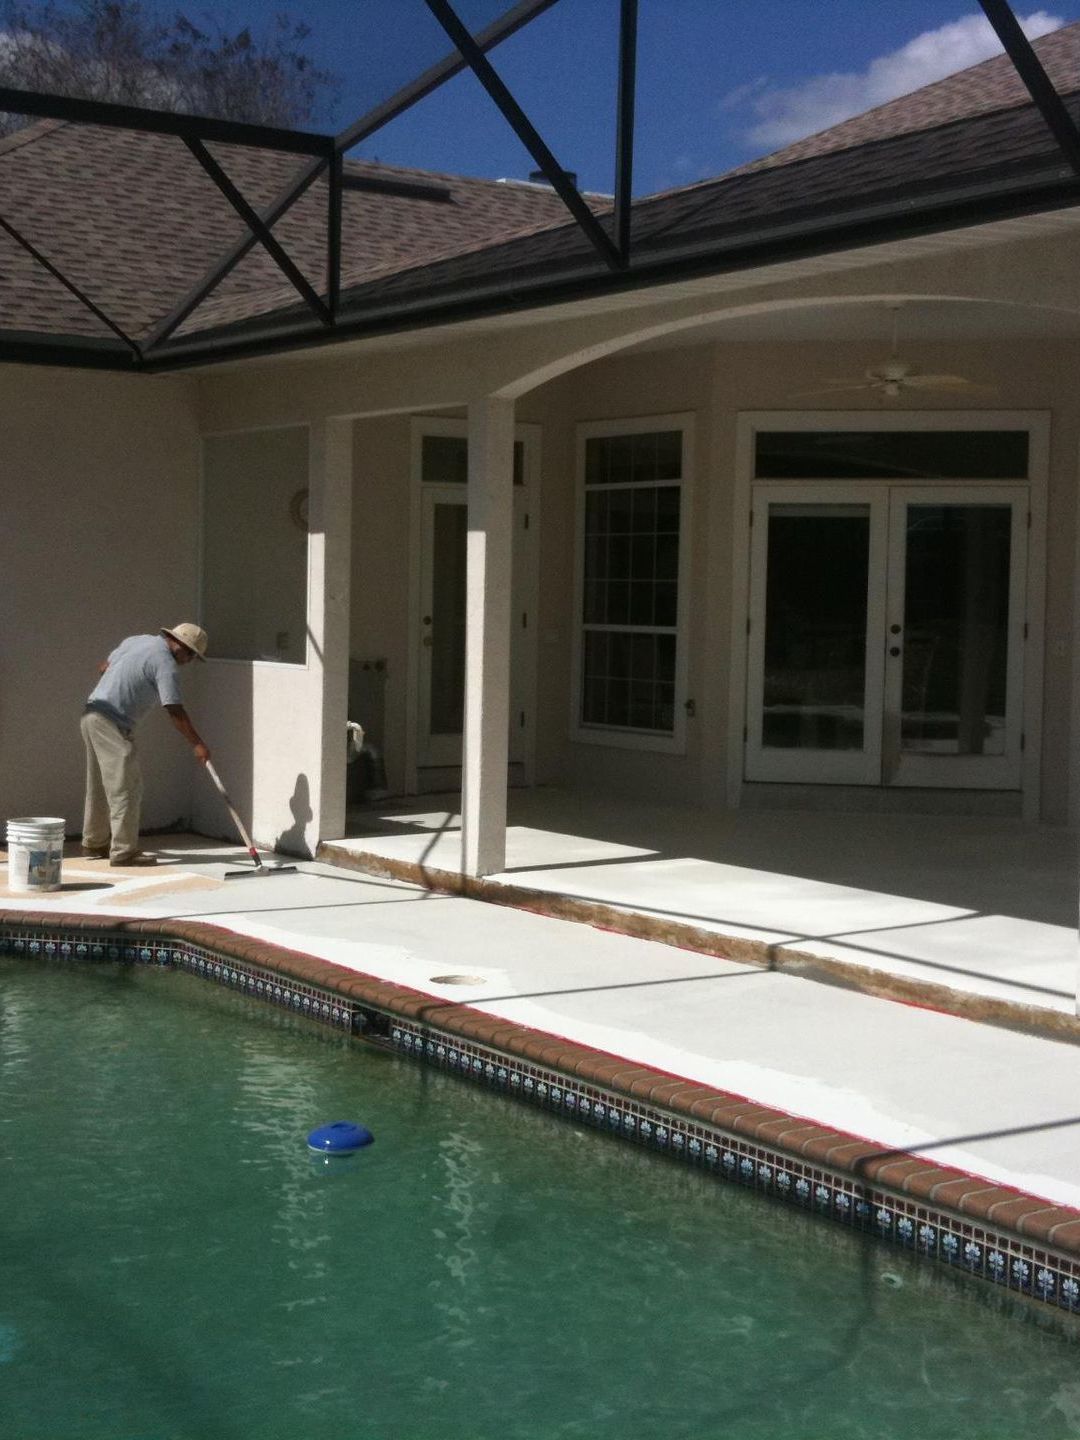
[98,508]
[279,728]
[254,555]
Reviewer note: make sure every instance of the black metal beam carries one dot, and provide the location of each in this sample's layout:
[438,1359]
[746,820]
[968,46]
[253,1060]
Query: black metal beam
[624,134]
[217,272]
[979,202]
[261,232]
[333,237]
[438,74]
[70,286]
[526,133]
[164,122]
[1031,72]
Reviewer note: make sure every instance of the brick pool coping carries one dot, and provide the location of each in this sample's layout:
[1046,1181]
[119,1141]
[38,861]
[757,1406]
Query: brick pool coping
[970,1199]
[844,974]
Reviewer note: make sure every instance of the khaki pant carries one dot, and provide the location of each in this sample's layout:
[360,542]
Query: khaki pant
[114,789]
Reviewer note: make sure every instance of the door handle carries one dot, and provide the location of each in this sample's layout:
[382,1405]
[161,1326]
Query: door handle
[894,649]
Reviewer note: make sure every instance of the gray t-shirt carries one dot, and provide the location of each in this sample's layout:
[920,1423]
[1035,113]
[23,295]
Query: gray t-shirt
[142,670]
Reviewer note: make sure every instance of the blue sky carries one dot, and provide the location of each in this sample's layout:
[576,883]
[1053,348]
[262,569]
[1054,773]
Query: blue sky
[719,81]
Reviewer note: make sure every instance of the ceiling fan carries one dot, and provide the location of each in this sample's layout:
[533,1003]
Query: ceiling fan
[895,376]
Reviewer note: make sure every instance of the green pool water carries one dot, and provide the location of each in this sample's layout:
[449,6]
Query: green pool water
[176,1266]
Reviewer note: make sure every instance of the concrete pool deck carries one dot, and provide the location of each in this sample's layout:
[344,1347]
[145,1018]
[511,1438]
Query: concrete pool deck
[976,915]
[996,1104]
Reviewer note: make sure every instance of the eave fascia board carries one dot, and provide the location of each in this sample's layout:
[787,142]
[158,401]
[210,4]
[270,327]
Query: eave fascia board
[28,347]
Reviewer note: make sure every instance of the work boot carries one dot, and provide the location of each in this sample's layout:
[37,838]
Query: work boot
[137,857]
[95,852]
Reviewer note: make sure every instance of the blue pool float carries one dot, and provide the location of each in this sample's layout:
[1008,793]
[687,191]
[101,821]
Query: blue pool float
[340,1138]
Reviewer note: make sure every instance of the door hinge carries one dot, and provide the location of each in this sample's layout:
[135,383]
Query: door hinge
[1025,629]
[1023,741]
[1029,519]
[751,519]
[748,624]
[526,526]
[524,619]
[745,733]
[521,721]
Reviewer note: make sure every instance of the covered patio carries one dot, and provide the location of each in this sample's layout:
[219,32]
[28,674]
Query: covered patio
[972,914]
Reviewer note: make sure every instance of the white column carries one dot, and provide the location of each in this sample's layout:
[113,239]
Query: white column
[329,562]
[489,556]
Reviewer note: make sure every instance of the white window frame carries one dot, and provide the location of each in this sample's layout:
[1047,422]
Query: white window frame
[624,737]
[1037,425]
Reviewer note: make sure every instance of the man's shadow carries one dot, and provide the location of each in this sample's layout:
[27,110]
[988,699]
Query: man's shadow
[293,841]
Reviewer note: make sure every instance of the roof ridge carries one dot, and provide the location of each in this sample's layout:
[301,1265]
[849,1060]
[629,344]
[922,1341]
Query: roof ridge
[28,134]
[1050,41]
[1002,61]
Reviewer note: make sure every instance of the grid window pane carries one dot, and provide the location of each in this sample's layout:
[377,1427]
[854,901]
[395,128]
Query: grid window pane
[892,455]
[644,514]
[618,606]
[631,567]
[669,455]
[444,460]
[633,459]
[628,680]
[667,510]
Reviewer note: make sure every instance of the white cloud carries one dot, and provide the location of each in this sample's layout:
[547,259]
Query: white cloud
[825,100]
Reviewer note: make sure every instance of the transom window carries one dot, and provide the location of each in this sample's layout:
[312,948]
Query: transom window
[444,460]
[891,455]
[631,542]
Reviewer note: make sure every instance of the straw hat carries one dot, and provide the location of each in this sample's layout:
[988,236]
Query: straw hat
[190,636]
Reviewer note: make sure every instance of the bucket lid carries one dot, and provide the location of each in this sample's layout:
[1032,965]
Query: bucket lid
[37,822]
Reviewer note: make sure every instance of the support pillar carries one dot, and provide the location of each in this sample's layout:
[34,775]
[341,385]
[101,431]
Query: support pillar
[489,561]
[329,568]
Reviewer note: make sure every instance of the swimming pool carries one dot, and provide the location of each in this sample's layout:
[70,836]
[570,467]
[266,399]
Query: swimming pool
[179,1267]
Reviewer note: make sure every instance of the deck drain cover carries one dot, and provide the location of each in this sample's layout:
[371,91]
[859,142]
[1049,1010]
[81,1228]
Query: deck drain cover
[457,980]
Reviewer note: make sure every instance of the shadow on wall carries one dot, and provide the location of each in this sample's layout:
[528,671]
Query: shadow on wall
[293,841]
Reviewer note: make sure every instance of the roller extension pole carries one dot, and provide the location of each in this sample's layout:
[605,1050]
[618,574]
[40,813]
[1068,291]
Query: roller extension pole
[260,868]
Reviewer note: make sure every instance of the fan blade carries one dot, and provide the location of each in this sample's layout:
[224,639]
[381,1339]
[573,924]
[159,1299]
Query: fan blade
[835,387]
[946,382]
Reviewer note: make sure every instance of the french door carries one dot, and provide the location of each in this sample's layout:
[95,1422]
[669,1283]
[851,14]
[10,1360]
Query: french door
[886,634]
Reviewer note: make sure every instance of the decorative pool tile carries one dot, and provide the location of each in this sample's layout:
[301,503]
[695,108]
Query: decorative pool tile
[998,1257]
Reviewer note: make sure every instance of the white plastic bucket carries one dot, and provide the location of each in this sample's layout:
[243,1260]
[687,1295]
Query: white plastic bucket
[35,852]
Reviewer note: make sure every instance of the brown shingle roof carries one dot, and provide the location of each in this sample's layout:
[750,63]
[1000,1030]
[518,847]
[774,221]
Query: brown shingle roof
[991,85]
[134,221]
